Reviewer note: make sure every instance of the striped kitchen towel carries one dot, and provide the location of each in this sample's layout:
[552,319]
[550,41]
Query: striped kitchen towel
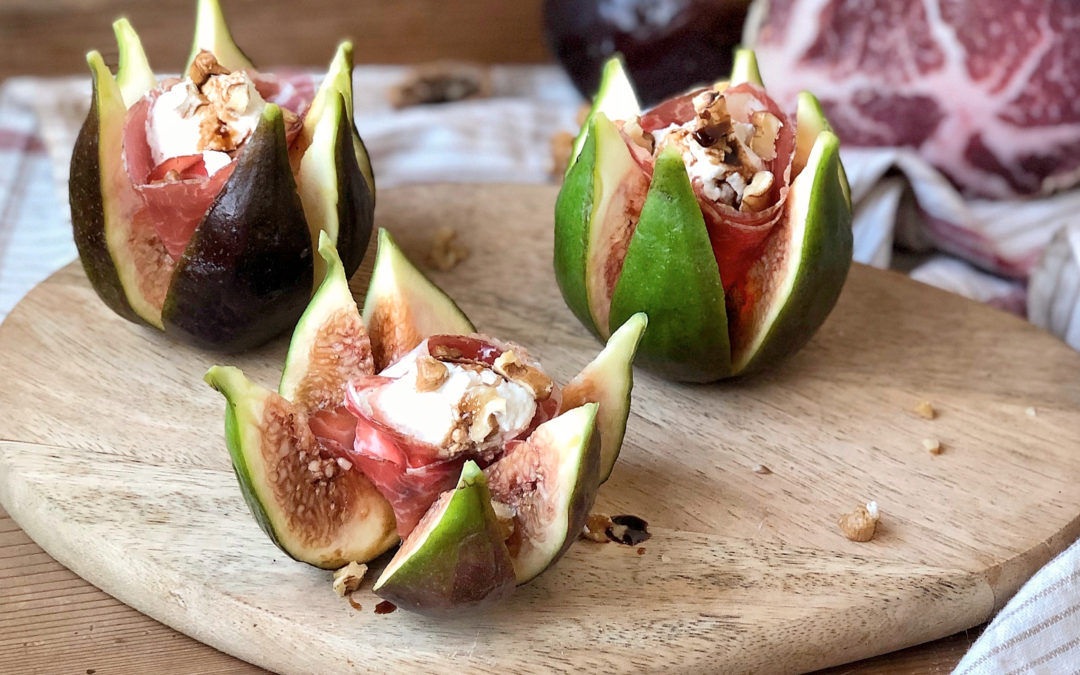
[1038,631]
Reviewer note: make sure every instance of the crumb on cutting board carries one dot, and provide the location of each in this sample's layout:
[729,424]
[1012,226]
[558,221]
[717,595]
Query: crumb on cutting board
[861,524]
[347,579]
[446,251]
[925,410]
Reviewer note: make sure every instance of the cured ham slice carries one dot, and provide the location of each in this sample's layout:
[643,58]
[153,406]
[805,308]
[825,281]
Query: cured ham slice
[985,90]
[408,472]
[737,236]
[177,193]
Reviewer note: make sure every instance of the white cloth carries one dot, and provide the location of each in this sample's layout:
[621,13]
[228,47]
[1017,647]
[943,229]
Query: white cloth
[506,138]
[1038,631]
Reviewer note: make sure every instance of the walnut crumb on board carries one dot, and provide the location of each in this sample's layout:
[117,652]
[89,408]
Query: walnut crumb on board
[860,524]
[348,578]
[442,82]
[446,251]
[932,445]
[1031,412]
[762,469]
[925,410]
[596,528]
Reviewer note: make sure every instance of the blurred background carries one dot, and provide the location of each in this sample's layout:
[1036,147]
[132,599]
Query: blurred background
[51,37]
[960,119]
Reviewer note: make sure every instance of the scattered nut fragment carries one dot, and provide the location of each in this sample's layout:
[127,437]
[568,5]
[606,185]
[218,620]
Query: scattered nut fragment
[354,604]
[444,353]
[480,408]
[755,195]
[925,410]
[442,82]
[932,445]
[1031,412]
[203,66]
[596,528]
[446,251]
[762,469]
[510,366]
[348,578]
[766,129]
[664,558]
[860,524]
[430,373]
[562,146]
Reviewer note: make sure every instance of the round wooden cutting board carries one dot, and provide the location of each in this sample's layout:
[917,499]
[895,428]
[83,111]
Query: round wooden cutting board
[112,458]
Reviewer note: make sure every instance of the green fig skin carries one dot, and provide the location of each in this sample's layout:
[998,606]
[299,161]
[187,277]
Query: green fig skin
[247,273]
[455,559]
[670,254]
[88,207]
[573,208]
[670,272]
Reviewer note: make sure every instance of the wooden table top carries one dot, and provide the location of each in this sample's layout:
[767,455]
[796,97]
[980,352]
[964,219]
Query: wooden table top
[52,621]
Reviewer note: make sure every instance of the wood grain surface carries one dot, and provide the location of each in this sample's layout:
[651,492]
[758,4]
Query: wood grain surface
[112,460]
[51,37]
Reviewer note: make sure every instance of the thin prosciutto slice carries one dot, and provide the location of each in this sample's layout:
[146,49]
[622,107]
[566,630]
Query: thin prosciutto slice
[409,473]
[174,205]
[737,237]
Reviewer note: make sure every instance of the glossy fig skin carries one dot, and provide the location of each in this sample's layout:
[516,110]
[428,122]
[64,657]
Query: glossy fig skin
[88,209]
[455,559]
[356,200]
[251,254]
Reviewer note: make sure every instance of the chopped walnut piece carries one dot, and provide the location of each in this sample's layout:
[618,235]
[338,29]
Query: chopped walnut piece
[203,66]
[348,578]
[755,195]
[596,528]
[444,353]
[480,406]
[509,366]
[446,252]
[442,82]
[430,373]
[1031,412]
[860,524]
[762,469]
[766,130]
[640,137]
[932,445]
[925,410]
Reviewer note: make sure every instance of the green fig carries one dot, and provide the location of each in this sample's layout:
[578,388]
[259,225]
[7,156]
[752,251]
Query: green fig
[725,221]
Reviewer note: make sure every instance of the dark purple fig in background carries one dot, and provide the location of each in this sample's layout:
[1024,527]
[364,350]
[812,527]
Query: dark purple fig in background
[668,45]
